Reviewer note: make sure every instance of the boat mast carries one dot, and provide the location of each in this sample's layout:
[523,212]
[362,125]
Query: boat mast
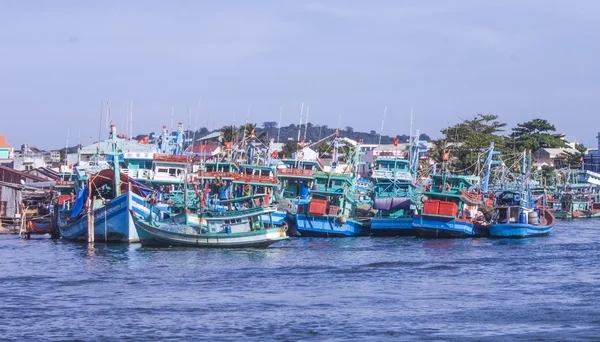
[488,168]
[382,123]
[414,155]
[115,155]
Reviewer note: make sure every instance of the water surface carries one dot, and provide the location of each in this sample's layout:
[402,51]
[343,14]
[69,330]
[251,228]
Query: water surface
[306,289]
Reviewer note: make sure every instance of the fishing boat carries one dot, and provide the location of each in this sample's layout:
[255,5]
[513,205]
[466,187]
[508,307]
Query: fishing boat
[518,214]
[108,196]
[578,195]
[395,191]
[332,209]
[235,227]
[518,218]
[452,204]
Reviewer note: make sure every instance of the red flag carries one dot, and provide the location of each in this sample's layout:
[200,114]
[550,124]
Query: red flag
[253,133]
[396,141]
[274,154]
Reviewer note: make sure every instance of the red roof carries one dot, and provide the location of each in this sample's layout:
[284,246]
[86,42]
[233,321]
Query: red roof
[200,148]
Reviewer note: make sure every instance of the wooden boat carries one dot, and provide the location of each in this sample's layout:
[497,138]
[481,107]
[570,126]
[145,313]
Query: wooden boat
[447,211]
[527,226]
[517,214]
[235,229]
[393,186]
[454,203]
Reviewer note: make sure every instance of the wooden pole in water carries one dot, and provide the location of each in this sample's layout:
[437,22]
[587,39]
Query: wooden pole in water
[90,214]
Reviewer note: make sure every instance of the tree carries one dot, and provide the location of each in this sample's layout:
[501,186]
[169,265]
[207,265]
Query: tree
[349,130]
[289,147]
[465,141]
[535,134]
[269,124]
[573,159]
[228,133]
[373,132]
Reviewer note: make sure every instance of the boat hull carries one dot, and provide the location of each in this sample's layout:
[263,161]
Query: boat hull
[154,236]
[442,227]
[112,223]
[403,226]
[563,215]
[327,226]
[518,230]
[276,219]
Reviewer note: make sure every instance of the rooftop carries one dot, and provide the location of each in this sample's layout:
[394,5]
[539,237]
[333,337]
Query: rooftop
[123,145]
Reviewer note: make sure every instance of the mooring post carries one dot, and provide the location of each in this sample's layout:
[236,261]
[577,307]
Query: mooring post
[90,214]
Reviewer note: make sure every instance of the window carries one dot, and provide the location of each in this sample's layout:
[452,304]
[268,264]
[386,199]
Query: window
[162,170]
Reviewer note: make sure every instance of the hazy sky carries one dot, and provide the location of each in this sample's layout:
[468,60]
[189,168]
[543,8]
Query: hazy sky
[445,59]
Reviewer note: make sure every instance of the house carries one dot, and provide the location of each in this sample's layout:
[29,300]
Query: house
[6,151]
[138,156]
[44,172]
[211,138]
[552,156]
[390,150]
[204,150]
[10,175]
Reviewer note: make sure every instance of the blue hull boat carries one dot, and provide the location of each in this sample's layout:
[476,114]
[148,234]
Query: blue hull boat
[112,223]
[443,227]
[392,226]
[518,230]
[329,226]
[276,219]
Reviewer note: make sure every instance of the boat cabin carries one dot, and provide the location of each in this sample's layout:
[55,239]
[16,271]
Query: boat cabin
[391,169]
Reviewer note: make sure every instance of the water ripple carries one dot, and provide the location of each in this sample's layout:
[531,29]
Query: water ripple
[306,289]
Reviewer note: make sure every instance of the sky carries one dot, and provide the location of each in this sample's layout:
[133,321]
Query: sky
[226,62]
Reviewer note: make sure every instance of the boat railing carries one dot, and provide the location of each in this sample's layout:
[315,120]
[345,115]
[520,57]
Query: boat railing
[257,179]
[296,172]
[138,173]
[234,213]
[172,158]
[399,175]
[219,174]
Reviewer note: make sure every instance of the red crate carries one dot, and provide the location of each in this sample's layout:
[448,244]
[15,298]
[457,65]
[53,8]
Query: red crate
[448,209]
[317,207]
[431,207]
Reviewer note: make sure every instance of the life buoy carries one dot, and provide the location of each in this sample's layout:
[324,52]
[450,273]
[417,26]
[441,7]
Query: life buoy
[447,187]
[300,154]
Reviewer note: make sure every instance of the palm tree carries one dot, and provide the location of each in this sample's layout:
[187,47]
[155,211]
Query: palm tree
[228,134]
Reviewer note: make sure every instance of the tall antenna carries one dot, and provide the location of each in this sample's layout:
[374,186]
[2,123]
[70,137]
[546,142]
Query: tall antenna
[382,122]
[130,119]
[410,134]
[172,117]
[279,124]
[300,125]
[67,144]
[196,125]
[100,126]
[306,122]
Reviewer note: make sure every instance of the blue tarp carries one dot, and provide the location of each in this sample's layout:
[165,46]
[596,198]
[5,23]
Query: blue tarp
[80,201]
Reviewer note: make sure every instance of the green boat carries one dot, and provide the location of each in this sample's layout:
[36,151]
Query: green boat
[229,225]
